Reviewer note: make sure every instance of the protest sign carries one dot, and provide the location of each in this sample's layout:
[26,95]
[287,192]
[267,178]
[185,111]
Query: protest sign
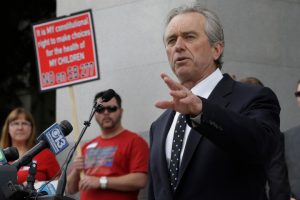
[66,51]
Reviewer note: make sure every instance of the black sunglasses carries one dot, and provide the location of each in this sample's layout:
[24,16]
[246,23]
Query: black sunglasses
[109,109]
[297,94]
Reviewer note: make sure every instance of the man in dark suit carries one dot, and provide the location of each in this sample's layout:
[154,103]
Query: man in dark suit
[292,151]
[231,127]
[278,186]
[292,141]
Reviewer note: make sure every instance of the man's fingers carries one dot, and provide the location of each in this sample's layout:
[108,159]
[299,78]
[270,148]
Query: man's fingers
[173,85]
[83,184]
[179,94]
[177,91]
[164,104]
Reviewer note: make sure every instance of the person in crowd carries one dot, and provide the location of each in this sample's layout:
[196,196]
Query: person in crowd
[278,187]
[297,93]
[216,136]
[115,163]
[292,153]
[19,130]
[252,80]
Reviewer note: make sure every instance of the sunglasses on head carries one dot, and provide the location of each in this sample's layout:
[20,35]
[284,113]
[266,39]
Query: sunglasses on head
[297,94]
[109,109]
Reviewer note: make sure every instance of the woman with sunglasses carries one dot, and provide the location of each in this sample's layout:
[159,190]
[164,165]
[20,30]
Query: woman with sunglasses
[19,130]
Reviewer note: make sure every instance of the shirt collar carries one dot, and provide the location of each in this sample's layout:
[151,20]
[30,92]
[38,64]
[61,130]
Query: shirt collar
[206,86]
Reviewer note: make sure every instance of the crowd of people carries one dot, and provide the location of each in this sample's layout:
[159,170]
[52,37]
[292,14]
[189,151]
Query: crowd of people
[218,138]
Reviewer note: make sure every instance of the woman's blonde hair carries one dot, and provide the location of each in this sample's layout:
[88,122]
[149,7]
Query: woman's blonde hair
[14,115]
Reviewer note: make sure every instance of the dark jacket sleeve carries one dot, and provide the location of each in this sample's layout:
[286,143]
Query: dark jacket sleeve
[246,127]
[277,173]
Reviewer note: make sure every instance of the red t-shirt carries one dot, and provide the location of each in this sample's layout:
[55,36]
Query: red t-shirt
[123,154]
[47,167]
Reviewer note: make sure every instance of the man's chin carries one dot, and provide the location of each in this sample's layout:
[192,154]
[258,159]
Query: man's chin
[107,126]
[183,77]
[182,71]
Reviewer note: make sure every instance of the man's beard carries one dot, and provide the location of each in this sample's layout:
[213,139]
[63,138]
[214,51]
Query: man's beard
[112,124]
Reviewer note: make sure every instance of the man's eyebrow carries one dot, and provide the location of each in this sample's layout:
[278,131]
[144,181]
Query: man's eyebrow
[190,32]
[182,33]
[170,36]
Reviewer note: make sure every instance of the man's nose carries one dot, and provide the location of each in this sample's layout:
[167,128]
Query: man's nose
[180,44]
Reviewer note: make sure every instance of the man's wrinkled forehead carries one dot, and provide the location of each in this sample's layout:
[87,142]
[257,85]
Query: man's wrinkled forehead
[184,22]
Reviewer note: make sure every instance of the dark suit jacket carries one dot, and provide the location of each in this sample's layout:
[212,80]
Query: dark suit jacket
[277,173]
[292,152]
[226,153]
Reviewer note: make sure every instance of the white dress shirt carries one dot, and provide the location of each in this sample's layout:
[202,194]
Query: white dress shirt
[203,89]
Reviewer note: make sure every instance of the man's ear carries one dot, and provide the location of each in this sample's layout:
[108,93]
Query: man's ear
[217,48]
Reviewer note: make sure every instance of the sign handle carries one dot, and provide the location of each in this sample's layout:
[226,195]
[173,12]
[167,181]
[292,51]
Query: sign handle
[74,116]
[75,121]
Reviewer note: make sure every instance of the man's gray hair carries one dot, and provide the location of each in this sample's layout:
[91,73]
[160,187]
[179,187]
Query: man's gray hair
[213,27]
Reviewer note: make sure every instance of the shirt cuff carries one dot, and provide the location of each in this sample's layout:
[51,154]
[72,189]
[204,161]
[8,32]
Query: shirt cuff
[196,121]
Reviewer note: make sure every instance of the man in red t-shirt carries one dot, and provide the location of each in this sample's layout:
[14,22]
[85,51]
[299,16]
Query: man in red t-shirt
[115,163]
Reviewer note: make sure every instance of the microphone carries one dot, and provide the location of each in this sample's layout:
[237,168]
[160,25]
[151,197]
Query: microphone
[53,138]
[8,154]
[31,176]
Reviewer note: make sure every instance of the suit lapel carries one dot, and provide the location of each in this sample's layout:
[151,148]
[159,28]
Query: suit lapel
[220,95]
[191,145]
[165,126]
